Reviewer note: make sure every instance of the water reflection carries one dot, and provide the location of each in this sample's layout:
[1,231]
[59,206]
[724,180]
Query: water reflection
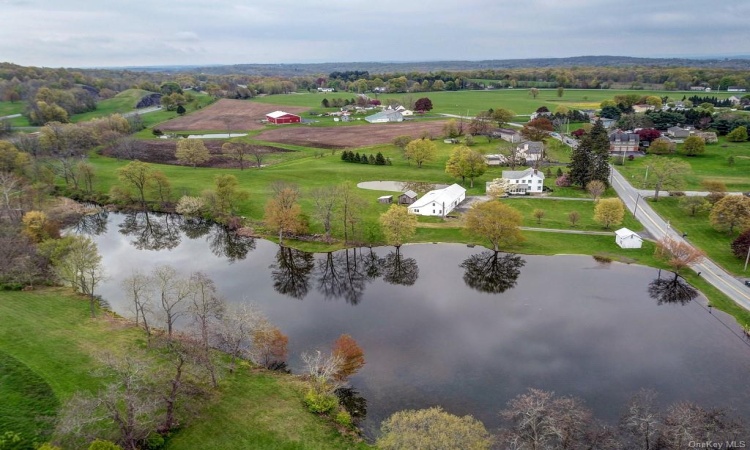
[674,290]
[341,275]
[195,227]
[228,244]
[291,272]
[491,273]
[353,402]
[399,270]
[92,224]
[152,231]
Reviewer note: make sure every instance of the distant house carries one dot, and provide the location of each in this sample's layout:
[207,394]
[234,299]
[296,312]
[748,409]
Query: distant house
[709,137]
[385,199]
[642,108]
[531,150]
[736,89]
[495,160]
[281,117]
[507,135]
[697,88]
[734,100]
[621,142]
[607,123]
[628,239]
[407,198]
[521,182]
[439,202]
[325,89]
[678,132]
[404,111]
[388,115]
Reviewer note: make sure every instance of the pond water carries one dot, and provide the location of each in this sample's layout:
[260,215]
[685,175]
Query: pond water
[459,327]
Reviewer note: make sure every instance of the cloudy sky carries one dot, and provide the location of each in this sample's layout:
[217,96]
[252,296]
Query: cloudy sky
[86,33]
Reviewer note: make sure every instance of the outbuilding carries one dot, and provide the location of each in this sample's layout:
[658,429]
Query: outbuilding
[385,199]
[439,202]
[626,238]
[281,117]
[407,198]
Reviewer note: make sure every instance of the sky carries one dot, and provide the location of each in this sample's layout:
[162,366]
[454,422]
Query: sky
[108,33]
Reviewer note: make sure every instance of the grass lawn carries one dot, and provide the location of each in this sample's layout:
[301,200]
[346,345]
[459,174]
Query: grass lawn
[11,108]
[556,214]
[472,102]
[47,343]
[712,165]
[700,233]
[125,102]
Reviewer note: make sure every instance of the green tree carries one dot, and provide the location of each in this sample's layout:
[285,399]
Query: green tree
[465,163]
[739,134]
[666,173]
[77,263]
[609,211]
[283,213]
[181,110]
[228,195]
[432,428]
[694,204]
[138,175]
[398,225]
[661,146]
[534,92]
[560,91]
[496,222]
[693,146]
[653,100]
[502,116]
[732,211]
[192,152]
[538,215]
[421,151]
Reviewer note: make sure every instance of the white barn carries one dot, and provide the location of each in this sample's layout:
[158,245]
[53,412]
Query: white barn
[439,202]
[626,238]
[529,181]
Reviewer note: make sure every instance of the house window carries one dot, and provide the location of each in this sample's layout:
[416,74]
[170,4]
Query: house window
[433,211]
[538,181]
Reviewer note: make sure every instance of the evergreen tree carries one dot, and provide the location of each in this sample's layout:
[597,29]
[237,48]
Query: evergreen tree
[356,158]
[371,159]
[580,163]
[379,160]
[363,159]
[345,156]
[599,147]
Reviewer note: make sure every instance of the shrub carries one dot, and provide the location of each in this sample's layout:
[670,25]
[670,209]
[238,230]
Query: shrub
[320,402]
[739,134]
[343,418]
[104,445]
[190,206]
[562,181]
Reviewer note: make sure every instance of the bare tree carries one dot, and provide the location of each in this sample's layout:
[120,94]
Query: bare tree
[595,189]
[235,330]
[326,201]
[237,151]
[173,293]
[641,421]
[349,209]
[678,254]
[206,307]
[139,288]
[323,368]
[11,189]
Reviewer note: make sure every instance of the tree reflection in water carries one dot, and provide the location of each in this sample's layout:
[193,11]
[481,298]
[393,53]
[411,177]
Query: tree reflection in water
[226,243]
[674,290]
[92,224]
[353,403]
[491,273]
[341,275]
[195,227]
[291,272]
[399,270]
[152,231]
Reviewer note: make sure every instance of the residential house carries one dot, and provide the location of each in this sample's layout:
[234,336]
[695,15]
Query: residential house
[622,142]
[281,117]
[697,88]
[734,100]
[736,89]
[404,111]
[626,238]
[531,150]
[521,182]
[388,115]
[642,108]
[439,202]
[678,132]
[407,198]
[607,123]
[325,89]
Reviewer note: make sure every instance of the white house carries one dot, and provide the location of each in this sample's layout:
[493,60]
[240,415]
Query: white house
[524,181]
[439,202]
[531,150]
[628,239]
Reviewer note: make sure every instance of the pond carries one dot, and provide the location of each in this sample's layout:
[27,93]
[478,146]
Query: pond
[459,327]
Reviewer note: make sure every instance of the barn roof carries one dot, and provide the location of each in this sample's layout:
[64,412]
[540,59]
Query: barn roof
[440,196]
[277,114]
[625,233]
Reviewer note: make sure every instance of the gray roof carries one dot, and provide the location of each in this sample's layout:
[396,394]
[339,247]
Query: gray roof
[533,146]
[624,137]
[410,194]
[518,174]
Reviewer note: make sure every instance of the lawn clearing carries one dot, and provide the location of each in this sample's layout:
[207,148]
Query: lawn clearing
[556,214]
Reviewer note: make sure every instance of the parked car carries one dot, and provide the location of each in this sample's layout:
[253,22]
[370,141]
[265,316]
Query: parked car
[747,283]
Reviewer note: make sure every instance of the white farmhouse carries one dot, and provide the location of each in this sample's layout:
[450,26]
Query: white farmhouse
[439,202]
[521,182]
[626,238]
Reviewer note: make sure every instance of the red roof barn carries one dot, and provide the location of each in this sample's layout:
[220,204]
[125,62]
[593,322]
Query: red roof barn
[279,117]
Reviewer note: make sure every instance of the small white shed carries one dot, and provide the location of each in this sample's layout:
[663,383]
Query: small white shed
[626,238]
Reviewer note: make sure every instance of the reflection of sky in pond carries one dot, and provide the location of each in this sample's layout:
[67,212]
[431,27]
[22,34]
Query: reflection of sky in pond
[571,325]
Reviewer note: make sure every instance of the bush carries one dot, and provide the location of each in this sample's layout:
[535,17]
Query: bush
[562,181]
[343,418]
[676,194]
[104,445]
[320,402]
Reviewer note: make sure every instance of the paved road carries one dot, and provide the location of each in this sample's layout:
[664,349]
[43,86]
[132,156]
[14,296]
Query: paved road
[142,111]
[658,228]
[12,116]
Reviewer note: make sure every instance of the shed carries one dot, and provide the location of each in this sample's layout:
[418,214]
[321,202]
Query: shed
[385,199]
[281,117]
[626,238]
[407,198]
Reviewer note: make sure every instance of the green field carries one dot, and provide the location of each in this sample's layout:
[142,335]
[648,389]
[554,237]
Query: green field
[471,102]
[712,165]
[11,108]
[556,214]
[47,343]
[125,102]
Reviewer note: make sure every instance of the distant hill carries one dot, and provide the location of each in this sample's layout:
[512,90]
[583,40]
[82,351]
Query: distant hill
[288,70]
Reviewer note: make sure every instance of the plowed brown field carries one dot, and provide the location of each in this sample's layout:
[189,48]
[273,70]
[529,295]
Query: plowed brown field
[227,114]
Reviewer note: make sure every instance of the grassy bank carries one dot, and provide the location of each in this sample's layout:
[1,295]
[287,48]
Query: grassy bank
[47,348]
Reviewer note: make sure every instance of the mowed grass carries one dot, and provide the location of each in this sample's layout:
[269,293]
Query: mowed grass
[11,108]
[125,102]
[700,233]
[556,214]
[48,348]
[712,165]
[471,102]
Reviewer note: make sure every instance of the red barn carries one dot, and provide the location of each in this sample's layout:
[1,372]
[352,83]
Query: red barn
[279,117]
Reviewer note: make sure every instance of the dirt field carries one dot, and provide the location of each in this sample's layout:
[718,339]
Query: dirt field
[162,151]
[351,136]
[227,115]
